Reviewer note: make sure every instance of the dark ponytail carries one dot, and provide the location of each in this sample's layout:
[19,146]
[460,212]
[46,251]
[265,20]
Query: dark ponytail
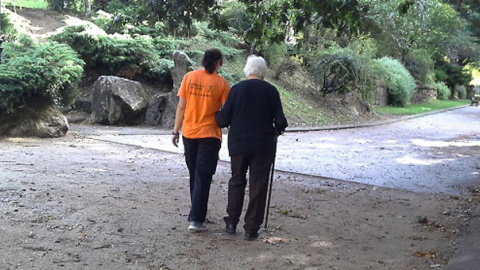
[210,60]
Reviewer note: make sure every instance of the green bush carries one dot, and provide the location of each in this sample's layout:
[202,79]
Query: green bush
[443,93]
[43,73]
[206,38]
[7,31]
[452,73]
[166,46]
[440,75]
[365,46]
[342,70]
[126,57]
[235,16]
[420,65]
[461,92]
[398,81]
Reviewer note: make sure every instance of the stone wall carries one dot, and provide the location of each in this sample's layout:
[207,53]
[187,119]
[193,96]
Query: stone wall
[381,96]
[423,94]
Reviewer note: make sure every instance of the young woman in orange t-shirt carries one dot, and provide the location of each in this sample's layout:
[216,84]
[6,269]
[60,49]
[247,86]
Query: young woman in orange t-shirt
[202,93]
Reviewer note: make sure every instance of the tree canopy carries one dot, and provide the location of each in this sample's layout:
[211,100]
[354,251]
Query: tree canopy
[424,35]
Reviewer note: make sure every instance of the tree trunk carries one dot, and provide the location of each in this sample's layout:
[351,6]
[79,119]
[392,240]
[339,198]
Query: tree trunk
[88,7]
[470,92]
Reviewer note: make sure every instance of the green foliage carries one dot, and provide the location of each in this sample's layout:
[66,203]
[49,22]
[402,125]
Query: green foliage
[121,22]
[398,81]
[45,73]
[178,16]
[275,53]
[160,70]
[227,41]
[126,57]
[342,70]
[432,105]
[296,107]
[7,31]
[440,75]
[26,3]
[206,39]
[461,92]
[166,46]
[76,6]
[233,18]
[365,46]
[401,26]
[443,93]
[121,54]
[470,11]
[456,74]
[273,21]
[77,38]
[420,65]
[279,60]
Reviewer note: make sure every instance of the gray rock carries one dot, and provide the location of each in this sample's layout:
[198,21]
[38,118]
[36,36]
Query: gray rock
[117,100]
[43,122]
[156,109]
[182,65]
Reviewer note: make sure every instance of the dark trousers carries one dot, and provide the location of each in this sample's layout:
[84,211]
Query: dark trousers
[201,156]
[259,165]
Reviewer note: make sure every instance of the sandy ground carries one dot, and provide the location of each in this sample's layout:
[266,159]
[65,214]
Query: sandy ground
[78,203]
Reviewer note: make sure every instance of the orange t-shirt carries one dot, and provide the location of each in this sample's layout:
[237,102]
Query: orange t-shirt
[205,94]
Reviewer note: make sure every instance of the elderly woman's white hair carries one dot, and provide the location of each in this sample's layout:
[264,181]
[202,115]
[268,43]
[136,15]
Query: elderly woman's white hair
[255,65]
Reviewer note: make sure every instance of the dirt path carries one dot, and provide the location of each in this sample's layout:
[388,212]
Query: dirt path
[77,203]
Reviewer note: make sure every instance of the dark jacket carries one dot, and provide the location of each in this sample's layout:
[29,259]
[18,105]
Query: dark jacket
[254,112]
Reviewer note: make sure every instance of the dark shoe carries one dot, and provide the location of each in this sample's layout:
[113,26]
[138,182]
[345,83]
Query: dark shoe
[196,227]
[230,228]
[251,237]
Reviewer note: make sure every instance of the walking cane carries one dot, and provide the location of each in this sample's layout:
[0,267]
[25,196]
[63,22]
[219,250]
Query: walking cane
[271,183]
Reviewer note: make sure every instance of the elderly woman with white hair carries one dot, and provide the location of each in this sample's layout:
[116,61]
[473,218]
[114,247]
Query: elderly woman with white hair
[254,113]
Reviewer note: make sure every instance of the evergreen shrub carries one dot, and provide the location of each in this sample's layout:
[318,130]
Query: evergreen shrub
[342,70]
[461,92]
[398,81]
[443,93]
[38,73]
[440,75]
[126,57]
[235,14]
[420,65]
[7,30]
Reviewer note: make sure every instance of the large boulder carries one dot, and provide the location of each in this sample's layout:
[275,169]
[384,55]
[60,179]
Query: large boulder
[156,110]
[118,101]
[37,121]
[182,65]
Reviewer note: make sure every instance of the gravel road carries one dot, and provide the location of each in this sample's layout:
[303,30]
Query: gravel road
[436,153]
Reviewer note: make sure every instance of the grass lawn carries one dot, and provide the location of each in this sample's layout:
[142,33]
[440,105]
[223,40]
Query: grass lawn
[26,3]
[422,108]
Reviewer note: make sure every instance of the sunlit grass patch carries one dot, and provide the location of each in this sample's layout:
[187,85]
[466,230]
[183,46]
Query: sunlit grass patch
[422,108]
[26,3]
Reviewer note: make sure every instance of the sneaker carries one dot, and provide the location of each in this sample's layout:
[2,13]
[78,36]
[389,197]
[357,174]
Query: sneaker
[196,227]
